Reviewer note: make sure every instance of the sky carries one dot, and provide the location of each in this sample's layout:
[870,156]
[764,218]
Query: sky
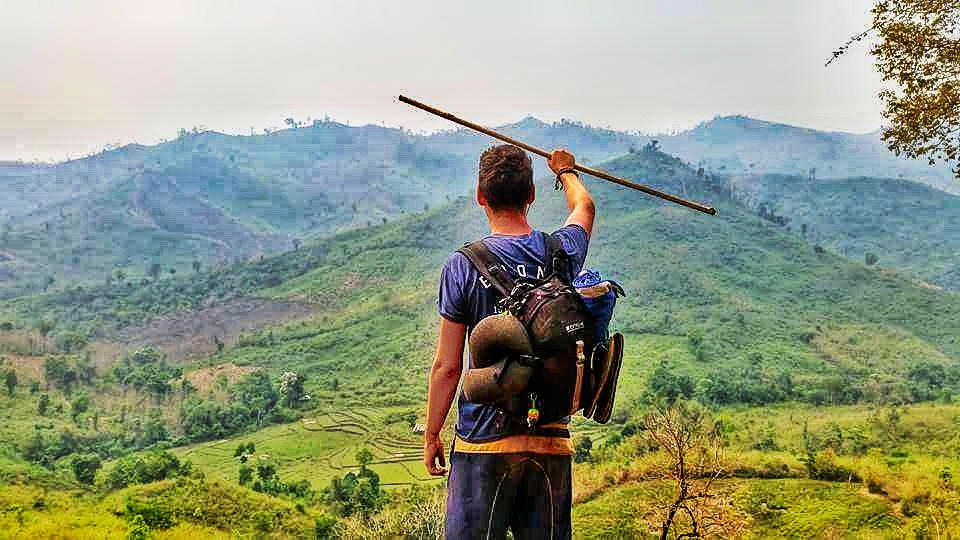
[78,75]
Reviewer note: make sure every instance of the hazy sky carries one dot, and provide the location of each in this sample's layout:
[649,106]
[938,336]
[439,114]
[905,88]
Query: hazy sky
[78,74]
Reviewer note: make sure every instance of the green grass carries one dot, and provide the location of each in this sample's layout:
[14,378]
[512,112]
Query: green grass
[198,508]
[809,509]
[322,447]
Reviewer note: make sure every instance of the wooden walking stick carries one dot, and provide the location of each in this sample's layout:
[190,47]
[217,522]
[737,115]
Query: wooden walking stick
[543,153]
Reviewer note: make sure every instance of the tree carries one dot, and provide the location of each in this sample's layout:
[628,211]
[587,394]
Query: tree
[870,258]
[695,459]
[137,528]
[246,475]
[153,270]
[256,391]
[241,449]
[266,470]
[364,457]
[582,448]
[663,383]
[186,388]
[196,266]
[918,53]
[79,405]
[60,371]
[10,380]
[85,467]
[291,388]
[43,404]
[120,275]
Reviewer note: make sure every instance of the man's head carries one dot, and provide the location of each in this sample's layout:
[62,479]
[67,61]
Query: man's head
[506,179]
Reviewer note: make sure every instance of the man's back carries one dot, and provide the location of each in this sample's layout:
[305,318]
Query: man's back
[466,297]
[502,475]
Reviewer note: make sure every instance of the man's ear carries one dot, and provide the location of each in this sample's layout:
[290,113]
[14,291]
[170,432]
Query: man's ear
[481,200]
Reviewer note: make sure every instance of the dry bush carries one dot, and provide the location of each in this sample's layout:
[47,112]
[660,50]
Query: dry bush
[701,506]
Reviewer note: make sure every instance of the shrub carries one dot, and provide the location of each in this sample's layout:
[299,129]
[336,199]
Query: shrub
[143,469]
[137,528]
[85,467]
[823,466]
[326,526]
[582,447]
[152,513]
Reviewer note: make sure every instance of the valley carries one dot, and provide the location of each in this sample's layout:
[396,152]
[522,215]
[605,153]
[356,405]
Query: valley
[274,388]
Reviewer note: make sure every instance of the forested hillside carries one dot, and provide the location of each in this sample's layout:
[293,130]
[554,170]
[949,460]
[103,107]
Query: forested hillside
[210,199]
[734,290]
[890,223]
[313,361]
[739,144]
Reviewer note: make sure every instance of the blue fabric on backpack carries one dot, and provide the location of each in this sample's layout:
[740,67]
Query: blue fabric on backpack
[600,307]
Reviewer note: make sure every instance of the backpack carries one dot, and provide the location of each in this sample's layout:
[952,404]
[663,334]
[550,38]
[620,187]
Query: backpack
[558,323]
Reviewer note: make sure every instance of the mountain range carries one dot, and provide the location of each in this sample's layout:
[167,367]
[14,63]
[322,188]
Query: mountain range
[209,198]
[737,293]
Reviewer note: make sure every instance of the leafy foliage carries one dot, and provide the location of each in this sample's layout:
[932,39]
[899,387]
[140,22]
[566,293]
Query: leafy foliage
[919,52]
[145,468]
[147,370]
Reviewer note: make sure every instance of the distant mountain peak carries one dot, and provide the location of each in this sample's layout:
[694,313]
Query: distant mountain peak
[528,122]
[739,121]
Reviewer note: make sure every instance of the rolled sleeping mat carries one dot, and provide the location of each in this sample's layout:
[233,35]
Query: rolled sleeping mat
[497,383]
[497,337]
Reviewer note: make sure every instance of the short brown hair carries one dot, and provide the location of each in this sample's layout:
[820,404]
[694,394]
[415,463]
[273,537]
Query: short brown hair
[506,177]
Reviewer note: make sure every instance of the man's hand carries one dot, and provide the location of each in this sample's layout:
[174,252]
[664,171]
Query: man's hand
[433,455]
[560,159]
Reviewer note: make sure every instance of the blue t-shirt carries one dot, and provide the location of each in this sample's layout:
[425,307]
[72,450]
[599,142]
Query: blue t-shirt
[466,298]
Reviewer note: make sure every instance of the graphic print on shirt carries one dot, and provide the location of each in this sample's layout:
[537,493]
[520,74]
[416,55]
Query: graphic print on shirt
[521,273]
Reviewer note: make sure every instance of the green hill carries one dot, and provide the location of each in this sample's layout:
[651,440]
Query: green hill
[734,310]
[743,145]
[208,198]
[907,226]
[734,294]
[212,198]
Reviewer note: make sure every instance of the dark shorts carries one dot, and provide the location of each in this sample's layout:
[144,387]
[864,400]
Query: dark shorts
[528,493]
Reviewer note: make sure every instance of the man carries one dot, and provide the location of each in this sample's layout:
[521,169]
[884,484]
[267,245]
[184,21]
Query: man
[502,474]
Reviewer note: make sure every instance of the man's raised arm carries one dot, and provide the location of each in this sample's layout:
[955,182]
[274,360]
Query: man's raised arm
[579,201]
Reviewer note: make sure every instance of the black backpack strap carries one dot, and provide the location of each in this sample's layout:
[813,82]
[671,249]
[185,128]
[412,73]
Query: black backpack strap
[489,266]
[557,259]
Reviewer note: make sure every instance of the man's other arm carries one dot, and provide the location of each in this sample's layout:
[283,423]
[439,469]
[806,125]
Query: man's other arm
[444,377]
[579,201]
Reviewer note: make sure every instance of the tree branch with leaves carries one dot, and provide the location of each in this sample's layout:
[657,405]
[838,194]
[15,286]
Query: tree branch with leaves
[917,53]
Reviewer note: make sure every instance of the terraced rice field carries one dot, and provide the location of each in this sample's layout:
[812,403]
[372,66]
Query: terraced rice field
[320,448]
